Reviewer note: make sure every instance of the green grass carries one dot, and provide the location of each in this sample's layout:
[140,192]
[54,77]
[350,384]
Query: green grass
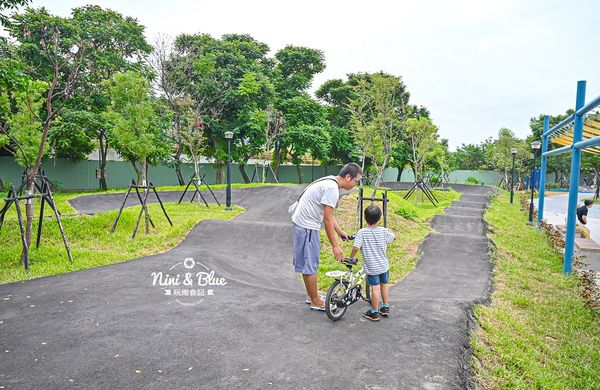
[410,232]
[90,240]
[536,333]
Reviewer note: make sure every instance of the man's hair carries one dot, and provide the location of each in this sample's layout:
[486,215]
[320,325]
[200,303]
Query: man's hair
[588,202]
[372,214]
[352,169]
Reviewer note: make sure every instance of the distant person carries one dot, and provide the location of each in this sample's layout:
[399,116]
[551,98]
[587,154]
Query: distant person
[582,213]
[315,206]
[372,242]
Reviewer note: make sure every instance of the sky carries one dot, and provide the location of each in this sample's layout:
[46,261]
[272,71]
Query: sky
[476,65]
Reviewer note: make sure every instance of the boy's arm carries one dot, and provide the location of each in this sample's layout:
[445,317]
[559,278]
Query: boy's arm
[354,252]
[391,236]
[338,254]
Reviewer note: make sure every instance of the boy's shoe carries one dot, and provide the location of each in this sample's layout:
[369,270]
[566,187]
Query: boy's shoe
[384,310]
[371,315]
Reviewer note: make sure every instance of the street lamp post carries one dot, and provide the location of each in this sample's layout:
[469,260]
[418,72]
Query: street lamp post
[228,136]
[535,146]
[513,151]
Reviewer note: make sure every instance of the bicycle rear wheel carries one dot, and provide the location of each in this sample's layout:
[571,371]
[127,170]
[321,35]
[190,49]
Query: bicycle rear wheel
[335,292]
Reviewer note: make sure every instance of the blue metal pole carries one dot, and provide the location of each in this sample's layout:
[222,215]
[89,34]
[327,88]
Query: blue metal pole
[555,152]
[588,143]
[543,171]
[574,181]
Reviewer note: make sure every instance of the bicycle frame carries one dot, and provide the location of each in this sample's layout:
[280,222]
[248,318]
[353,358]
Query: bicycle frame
[353,278]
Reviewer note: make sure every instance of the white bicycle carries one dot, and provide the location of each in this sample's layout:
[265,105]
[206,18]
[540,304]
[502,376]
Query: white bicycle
[346,289]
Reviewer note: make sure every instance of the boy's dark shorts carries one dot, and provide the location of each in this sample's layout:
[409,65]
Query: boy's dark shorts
[375,280]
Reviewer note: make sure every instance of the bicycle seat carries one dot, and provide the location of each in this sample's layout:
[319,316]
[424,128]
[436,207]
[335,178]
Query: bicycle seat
[350,261]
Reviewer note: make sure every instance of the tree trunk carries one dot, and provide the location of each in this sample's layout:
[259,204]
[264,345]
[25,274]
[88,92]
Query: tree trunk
[34,171]
[197,172]
[277,159]
[299,173]
[220,174]
[399,177]
[145,183]
[178,152]
[137,173]
[242,168]
[103,152]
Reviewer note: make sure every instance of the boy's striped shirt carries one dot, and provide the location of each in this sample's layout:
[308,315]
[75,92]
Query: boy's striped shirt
[372,242]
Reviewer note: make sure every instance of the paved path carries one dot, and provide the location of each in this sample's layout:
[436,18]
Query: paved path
[555,211]
[109,327]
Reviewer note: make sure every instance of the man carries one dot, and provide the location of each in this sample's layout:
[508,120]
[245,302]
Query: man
[582,213]
[315,206]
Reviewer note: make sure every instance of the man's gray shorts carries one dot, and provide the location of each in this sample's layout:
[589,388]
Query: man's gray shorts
[307,245]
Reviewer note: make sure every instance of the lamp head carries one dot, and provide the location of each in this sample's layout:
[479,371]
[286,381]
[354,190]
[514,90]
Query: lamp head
[513,151]
[229,134]
[535,145]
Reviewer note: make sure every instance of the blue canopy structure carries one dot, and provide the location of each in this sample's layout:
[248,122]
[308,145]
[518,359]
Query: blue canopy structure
[578,132]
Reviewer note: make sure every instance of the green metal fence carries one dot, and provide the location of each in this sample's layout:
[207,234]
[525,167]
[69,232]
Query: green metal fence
[81,175]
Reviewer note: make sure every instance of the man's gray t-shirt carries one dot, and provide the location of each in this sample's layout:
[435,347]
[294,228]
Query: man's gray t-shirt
[310,210]
[372,242]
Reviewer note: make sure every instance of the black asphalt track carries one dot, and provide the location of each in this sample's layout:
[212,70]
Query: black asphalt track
[111,328]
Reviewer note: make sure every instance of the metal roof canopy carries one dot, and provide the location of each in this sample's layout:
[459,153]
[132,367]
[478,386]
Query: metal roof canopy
[577,133]
[564,135]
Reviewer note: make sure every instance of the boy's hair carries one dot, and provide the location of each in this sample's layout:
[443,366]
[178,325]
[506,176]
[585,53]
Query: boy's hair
[588,202]
[352,169]
[372,214]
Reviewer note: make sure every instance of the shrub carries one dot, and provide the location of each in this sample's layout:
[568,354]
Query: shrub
[406,209]
[473,180]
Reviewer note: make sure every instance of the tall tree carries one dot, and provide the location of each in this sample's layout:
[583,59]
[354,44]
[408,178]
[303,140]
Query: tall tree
[137,127]
[376,117]
[499,153]
[191,128]
[422,137]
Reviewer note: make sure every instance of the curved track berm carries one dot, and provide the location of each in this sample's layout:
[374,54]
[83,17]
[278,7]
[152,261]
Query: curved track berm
[109,327]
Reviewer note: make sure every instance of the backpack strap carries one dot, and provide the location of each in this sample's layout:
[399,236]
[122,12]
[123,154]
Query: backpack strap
[316,181]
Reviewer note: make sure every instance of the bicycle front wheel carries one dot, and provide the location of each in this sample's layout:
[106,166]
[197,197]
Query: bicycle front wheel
[335,292]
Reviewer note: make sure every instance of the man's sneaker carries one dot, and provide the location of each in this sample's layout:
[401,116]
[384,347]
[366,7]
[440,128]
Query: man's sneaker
[372,315]
[384,310]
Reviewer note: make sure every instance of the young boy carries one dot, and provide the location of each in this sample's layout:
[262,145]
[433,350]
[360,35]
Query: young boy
[372,242]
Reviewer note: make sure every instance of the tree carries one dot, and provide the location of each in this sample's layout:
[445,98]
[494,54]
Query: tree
[304,139]
[191,130]
[21,128]
[167,67]
[402,152]
[64,54]
[304,117]
[296,66]
[591,161]
[376,117]
[499,153]
[137,127]
[561,164]
[274,125]
[422,138]
[115,43]
[470,156]
[9,5]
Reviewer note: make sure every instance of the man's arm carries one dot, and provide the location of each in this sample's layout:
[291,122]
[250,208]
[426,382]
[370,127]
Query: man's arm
[343,235]
[584,219]
[330,230]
